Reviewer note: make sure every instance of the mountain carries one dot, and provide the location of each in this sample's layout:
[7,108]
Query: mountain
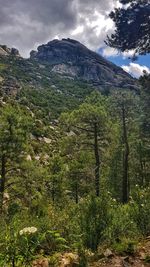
[74,187]
[58,76]
[72,59]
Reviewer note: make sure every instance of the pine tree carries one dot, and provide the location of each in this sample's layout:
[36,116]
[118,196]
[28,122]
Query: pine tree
[14,129]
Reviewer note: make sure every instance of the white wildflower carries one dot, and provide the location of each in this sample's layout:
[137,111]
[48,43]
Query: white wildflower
[28,230]
[33,229]
[21,232]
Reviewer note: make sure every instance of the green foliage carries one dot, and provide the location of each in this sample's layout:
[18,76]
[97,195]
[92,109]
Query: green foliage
[141,209]
[83,261]
[15,125]
[54,99]
[86,128]
[3,66]
[147,259]
[52,241]
[125,246]
[122,224]
[50,169]
[28,242]
[94,219]
[132,26]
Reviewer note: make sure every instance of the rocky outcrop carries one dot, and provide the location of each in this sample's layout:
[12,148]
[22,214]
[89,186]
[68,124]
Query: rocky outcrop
[3,52]
[10,86]
[69,260]
[6,51]
[71,58]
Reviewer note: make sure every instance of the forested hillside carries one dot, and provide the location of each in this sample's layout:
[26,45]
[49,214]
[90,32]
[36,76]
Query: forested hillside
[74,169]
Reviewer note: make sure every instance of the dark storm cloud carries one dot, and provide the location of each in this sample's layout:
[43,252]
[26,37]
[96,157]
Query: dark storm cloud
[53,11]
[27,23]
[45,11]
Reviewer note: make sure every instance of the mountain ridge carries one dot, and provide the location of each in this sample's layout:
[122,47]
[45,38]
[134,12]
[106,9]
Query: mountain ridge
[71,58]
[63,80]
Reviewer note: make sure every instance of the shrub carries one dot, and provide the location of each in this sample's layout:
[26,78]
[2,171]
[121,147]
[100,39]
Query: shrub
[141,209]
[94,219]
[121,225]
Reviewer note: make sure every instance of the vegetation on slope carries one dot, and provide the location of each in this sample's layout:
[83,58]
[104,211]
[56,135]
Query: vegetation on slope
[74,167]
[70,184]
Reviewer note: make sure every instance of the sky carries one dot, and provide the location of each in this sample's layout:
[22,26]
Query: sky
[25,24]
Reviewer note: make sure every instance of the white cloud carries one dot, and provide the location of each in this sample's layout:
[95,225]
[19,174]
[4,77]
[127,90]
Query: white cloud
[135,69]
[78,30]
[129,54]
[110,52]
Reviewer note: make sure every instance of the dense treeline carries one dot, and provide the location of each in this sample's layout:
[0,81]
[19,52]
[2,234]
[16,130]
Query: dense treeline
[76,182]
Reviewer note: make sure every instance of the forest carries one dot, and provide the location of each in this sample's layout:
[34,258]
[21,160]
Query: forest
[78,182]
[75,172]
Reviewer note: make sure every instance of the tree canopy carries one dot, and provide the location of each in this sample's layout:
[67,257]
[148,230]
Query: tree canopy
[132,22]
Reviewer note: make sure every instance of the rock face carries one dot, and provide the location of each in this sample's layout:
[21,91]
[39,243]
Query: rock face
[10,86]
[6,51]
[72,59]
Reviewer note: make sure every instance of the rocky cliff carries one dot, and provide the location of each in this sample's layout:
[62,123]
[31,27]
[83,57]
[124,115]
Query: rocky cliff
[72,59]
[6,51]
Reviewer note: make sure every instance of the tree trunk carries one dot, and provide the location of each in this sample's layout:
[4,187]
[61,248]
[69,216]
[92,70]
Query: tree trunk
[2,179]
[142,182]
[125,185]
[13,262]
[53,190]
[97,161]
[76,193]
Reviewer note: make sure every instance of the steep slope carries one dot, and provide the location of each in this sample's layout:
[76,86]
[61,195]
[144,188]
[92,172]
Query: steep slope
[72,59]
[34,85]
[58,76]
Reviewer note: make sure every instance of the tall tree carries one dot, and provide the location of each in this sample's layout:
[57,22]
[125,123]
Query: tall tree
[89,123]
[123,103]
[13,138]
[56,178]
[144,148]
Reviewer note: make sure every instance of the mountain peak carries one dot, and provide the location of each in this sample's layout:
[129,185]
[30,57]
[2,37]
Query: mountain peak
[68,40]
[70,58]
[66,44]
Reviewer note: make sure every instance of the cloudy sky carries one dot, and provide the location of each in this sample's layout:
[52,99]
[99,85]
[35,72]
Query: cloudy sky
[25,24]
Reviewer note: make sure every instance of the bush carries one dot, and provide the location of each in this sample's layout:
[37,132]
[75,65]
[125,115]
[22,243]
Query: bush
[125,246]
[20,245]
[121,225]
[141,209]
[94,218]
